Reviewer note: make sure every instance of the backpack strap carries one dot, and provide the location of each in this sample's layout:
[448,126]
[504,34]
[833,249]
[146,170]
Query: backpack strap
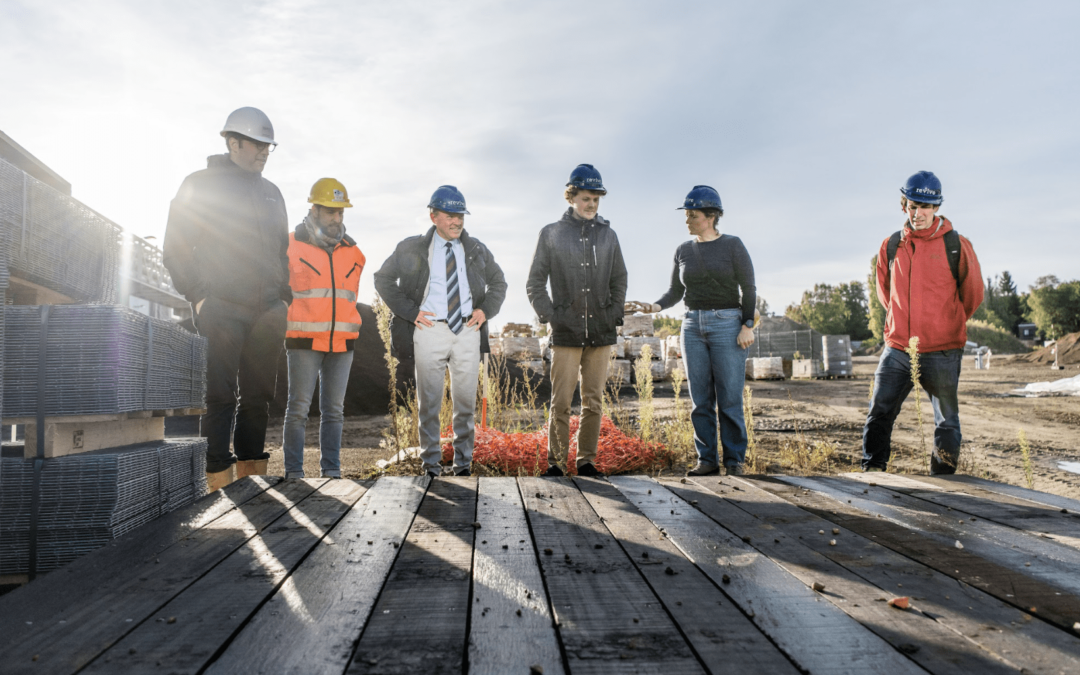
[894,243]
[952,251]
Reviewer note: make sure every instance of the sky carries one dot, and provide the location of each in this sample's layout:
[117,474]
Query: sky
[806,117]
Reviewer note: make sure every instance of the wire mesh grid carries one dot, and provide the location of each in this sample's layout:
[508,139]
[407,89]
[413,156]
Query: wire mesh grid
[101,359]
[89,499]
[57,241]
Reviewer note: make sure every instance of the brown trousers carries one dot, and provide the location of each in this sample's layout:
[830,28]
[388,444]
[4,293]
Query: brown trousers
[568,366]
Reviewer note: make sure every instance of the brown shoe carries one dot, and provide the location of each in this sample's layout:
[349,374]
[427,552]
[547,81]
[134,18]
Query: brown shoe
[251,467]
[702,469]
[216,481]
[735,470]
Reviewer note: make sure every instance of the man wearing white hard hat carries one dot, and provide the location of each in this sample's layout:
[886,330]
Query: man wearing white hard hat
[226,247]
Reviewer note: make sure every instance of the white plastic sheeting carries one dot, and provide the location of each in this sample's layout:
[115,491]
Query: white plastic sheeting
[1069,386]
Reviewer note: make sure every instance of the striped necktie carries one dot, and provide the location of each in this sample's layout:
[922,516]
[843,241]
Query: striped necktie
[453,298]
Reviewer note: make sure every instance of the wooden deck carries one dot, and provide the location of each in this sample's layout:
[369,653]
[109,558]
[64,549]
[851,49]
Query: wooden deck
[534,575]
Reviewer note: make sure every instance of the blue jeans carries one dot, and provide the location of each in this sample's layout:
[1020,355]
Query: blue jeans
[331,370]
[716,373]
[939,375]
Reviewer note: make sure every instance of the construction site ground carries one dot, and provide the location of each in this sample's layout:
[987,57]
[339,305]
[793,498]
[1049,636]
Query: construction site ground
[833,411]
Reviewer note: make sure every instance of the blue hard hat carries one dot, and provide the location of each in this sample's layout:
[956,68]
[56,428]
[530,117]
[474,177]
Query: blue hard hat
[924,187]
[702,197]
[586,177]
[448,198]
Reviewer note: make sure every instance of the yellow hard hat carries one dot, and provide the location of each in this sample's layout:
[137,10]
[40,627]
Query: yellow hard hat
[330,193]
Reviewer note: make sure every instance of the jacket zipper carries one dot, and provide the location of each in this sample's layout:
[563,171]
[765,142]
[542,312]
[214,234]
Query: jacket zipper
[911,271]
[313,269]
[585,255]
[333,302]
[351,271]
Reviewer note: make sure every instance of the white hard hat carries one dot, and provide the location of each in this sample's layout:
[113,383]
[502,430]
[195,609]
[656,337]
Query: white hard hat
[250,122]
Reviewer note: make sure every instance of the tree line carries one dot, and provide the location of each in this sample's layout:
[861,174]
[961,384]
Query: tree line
[853,309]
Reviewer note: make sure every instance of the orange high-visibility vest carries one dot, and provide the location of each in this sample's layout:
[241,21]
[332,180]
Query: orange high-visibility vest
[323,314]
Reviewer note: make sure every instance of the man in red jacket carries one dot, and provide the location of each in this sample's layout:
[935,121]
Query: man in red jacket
[929,281]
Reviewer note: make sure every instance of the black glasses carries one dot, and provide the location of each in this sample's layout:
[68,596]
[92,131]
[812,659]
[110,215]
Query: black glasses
[260,145]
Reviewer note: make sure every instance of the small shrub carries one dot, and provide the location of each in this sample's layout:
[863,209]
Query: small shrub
[913,352]
[1025,453]
[643,384]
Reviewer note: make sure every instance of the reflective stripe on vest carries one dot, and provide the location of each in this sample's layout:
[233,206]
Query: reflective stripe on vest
[342,294]
[323,326]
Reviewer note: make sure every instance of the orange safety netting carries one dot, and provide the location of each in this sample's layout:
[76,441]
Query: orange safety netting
[511,454]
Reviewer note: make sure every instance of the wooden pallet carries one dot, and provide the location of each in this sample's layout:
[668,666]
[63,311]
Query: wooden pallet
[746,574]
[73,434]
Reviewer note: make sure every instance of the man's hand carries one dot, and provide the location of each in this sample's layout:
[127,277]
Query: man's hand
[422,320]
[746,337]
[477,319]
[198,305]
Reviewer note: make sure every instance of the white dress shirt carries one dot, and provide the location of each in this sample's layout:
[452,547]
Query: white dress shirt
[436,295]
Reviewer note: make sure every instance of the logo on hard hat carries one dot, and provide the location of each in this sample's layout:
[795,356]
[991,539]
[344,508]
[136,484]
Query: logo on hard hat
[927,191]
[339,196]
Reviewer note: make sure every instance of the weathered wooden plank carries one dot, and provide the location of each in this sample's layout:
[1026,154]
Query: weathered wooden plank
[721,635]
[50,597]
[312,622]
[932,646]
[980,621]
[419,622]
[1039,557]
[999,508]
[1056,501]
[108,593]
[511,625]
[609,619]
[911,535]
[812,632]
[185,634]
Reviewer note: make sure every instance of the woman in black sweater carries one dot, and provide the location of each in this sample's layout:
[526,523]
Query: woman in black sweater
[714,275]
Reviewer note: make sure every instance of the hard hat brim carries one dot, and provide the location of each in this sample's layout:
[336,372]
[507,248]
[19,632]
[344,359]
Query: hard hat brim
[602,190]
[936,201]
[331,205]
[261,139]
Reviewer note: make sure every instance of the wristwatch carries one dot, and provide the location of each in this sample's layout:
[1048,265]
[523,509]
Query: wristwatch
[749,323]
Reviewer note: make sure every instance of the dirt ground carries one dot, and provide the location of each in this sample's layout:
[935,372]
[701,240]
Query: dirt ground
[833,411]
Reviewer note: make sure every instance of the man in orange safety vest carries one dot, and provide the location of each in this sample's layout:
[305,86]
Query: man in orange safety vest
[324,272]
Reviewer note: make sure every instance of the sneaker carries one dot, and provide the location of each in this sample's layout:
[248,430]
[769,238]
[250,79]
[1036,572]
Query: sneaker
[735,470]
[290,475]
[434,473]
[589,471]
[702,469]
[463,472]
[553,471]
[873,469]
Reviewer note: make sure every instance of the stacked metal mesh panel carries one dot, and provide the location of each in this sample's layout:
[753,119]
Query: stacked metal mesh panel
[56,241]
[101,359]
[89,499]
[3,303]
[786,343]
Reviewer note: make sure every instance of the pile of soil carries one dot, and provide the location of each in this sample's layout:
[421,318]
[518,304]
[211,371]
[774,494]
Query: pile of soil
[1068,352]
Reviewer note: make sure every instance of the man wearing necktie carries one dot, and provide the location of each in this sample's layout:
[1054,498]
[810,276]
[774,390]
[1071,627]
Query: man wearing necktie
[443,287]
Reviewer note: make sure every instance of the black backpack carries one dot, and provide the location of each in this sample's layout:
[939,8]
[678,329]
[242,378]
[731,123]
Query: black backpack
[952,251]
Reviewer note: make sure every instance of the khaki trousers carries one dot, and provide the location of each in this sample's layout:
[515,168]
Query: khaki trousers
[569,365]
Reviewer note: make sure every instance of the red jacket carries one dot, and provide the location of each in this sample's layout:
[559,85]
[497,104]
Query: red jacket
[920,295]
[323,315]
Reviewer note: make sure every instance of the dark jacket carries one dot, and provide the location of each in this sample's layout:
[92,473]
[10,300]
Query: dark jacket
[228,237]
[402,283]
[584,263]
